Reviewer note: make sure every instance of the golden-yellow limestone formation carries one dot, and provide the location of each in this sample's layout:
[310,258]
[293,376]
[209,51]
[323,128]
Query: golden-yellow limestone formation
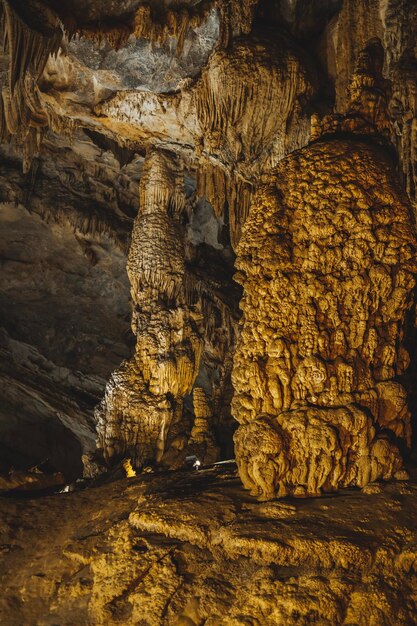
[202,441]
[327,260]
[142,408]
[249,97]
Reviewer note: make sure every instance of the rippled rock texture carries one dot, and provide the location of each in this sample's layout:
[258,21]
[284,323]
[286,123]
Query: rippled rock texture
[187,549]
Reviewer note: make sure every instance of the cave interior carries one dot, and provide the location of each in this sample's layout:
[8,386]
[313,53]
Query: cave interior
[208,256]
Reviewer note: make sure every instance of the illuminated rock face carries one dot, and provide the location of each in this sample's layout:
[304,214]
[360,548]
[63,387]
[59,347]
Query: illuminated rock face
[250,103]
[143,401]
[326,260]
[90,88]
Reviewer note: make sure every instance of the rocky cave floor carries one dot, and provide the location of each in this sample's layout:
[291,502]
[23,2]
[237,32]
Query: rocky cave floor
[193,548]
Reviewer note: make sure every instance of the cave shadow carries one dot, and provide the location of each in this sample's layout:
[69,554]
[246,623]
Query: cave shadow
[409,378]
[47,444]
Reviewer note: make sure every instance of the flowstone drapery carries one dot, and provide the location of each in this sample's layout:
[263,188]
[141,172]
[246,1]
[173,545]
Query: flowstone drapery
[327,262]
[142,408]
[251,104]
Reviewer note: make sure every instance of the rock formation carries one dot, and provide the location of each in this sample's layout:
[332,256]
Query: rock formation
[31,33]
[253,165]
[327,263]
[181,549]
[222,92]
[143,403]
[250,103]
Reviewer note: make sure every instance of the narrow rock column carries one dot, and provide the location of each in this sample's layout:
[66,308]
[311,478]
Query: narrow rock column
[142,408]
[327,262]
[202,442]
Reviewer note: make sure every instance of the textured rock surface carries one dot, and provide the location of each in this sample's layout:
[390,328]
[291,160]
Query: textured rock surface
[143,402]
[191,549]
[142,133]
[327,262]
[392,22]
[57,350]
[250,103]
[68,302]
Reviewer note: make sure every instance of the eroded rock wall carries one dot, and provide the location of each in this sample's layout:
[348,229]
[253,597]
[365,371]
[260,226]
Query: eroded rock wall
[393,23]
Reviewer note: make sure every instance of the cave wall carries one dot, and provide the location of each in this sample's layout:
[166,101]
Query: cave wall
[64,327]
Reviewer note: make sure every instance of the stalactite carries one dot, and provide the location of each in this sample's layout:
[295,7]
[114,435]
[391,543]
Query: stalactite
[31,32]
[327,261]
[245,100]
[115,35]
[224,190]
[173,23]
[235,18]
[247,94]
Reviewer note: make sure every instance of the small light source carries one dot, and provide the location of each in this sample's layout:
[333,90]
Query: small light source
[127,466]
[197,464]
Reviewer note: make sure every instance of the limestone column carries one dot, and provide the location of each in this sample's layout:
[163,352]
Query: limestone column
[142,407]
[327,263]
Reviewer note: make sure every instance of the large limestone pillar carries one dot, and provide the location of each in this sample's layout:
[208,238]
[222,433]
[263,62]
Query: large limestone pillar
[142,408]
[327,263]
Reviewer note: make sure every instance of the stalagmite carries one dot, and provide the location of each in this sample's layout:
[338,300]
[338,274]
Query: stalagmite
[141,413]
[327,262]
[202,442]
